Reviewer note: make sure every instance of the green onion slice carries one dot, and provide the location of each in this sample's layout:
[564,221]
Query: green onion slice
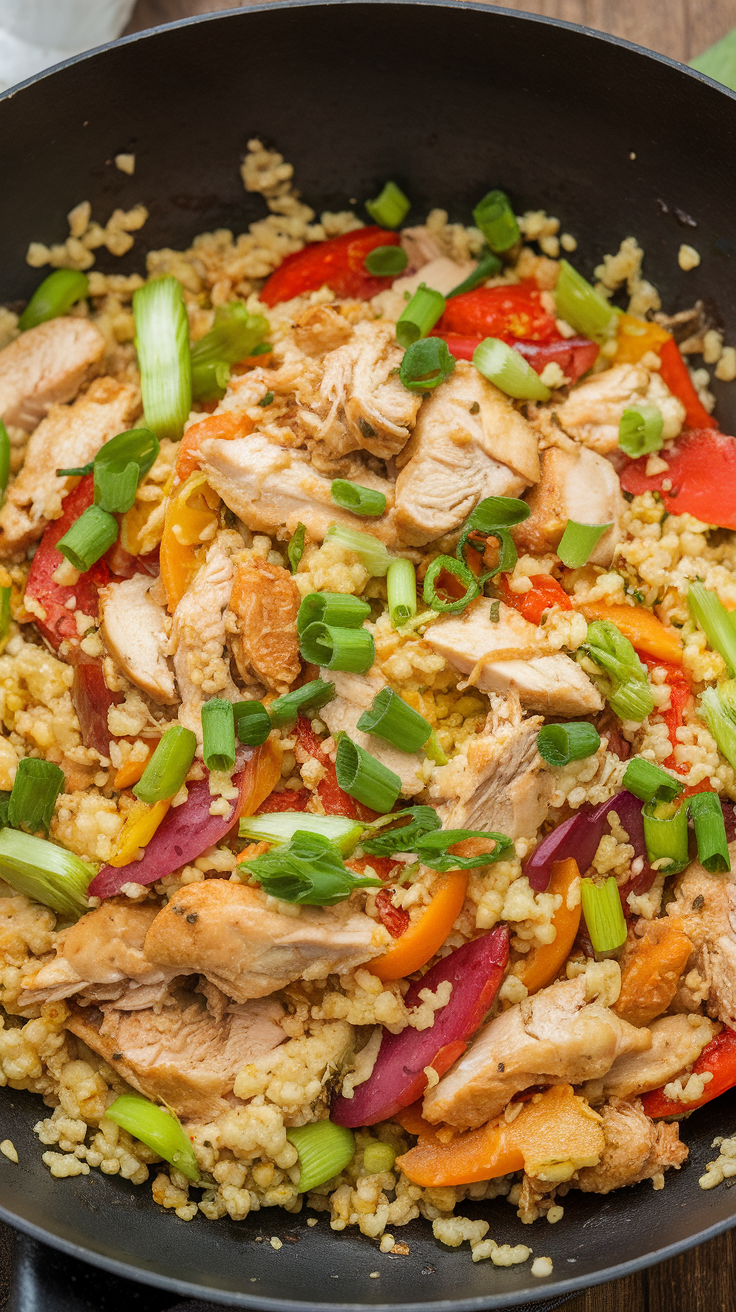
[401,587]
[162,342]
[337,648]
[488,265]
[624,682]
[646,780]
[433,849]
[35,790]
[713,709]
[507,553]
[119,467]
[218,734]
[371,553]
[89,538]
[382,841]
[715,621]
[459,570]
[324,1148]
[266,400]
[158,1129]
[4,461]
[710,832]
[44,872]
[309,698]
[390,717]
[5,615]
[338,608]
[386,261]
[279,827]
[497,221]
[604,915]
[78,471]
[235,334]
[433,750]
[426,364]
[252,723]
[420,316]
[210,380]
[640,430]
[665,835]
[365,778]
[295,549]
[558,744]
[390,208]
[378,1157]
[168,767]
[510,372]
[56,294]
[578,543]
[361,500]
[581,306]
[309,869]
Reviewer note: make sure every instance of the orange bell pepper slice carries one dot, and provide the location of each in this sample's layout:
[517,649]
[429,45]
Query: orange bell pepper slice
[191,512]
[131,771]
[652,972]
[635,337]
[262,773]
[141,824]
[227,426]
[641,627]
[425,937]
[543,963]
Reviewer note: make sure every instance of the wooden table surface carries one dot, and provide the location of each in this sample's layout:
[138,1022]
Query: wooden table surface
[703,1280]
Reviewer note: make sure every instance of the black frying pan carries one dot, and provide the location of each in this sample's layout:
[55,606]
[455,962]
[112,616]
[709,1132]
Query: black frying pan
[448,100]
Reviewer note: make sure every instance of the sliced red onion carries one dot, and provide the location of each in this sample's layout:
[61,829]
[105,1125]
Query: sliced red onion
[579,837]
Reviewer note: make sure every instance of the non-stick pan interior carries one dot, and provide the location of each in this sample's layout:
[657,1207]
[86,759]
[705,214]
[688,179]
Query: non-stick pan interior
[449,101]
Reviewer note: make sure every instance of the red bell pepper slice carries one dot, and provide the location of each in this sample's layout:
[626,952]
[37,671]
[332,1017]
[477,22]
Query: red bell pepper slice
[508,312]
[399,1075]
[334,800]
[680,694]
[338,264]
[59,622]
[396,919]
[675,374]
[701,477]
[717,1058]
[574,355]
[544,593]
[286,801]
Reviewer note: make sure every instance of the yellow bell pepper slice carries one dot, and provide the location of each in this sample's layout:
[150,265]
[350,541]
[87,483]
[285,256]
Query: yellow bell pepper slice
[140,826]
[191,519]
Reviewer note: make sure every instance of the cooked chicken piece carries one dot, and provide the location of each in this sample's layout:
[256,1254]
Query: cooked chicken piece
[182,1054]
[636,1149]
[497,780]
[320,328]
[274,488]
[706,906]
[227,932]
[421,246]
[69,437]
[575,484]
[655,956]
[593,410]
[198,637]
[361,387]
[677,1041]
[442,274]
[353,695]
[262,619]
[469,442]
[506,656]
[134,630]
[45,365]
[554,1035]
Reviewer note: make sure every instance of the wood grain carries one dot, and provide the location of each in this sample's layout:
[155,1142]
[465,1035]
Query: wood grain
[702,1280]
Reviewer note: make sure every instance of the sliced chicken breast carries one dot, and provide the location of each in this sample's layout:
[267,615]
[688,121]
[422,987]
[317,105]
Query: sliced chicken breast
[706,906]
[636,1149]
[261,619]
[133,626]
[441,273]
[363,392]
[593,410]
[46,365]
[677,1041]
[198,637]
[575,484]
[354,693]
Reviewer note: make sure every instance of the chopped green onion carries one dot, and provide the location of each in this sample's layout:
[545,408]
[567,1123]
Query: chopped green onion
[710,832]
[309,698]
[353,496]
[581,306]
[89,538]
[252,723]
[218,734]
[295,549]
[646,781]
[558,744]
[338,648]
[578,542]
[401,586]
[266,400]
[280,826]
[497,221]
[720,721]
[78,471]
[640,430]
[323,1148]
[716,622]
[497,512]
[426,364]
[45,873]
[507,554]
[119,467]
[4,804]
[488,265]
[391,718]
[56,294]
[383,841]
[604,915]
[335,608]
[168,767]
[371,553]
[420,316]
[210,380]
[433,750]
[625,683]
[386,261]
[460,571]
[35,790]
[433,849]
[665,835]
[162,342]
[4,461]
[309,869]
[510,372]
[378,1157]
[235,334]
[365,778]
[390,208]
[158,1128]
[5,615]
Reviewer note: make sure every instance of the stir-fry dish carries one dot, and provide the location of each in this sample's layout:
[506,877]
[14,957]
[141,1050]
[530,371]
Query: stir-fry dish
[368,699]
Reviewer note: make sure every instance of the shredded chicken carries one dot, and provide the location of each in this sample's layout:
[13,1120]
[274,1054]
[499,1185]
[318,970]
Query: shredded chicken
[636,1149]
[706,906]
[593,410]
[46,365]
[365,395]
[262,621]
[133,626]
